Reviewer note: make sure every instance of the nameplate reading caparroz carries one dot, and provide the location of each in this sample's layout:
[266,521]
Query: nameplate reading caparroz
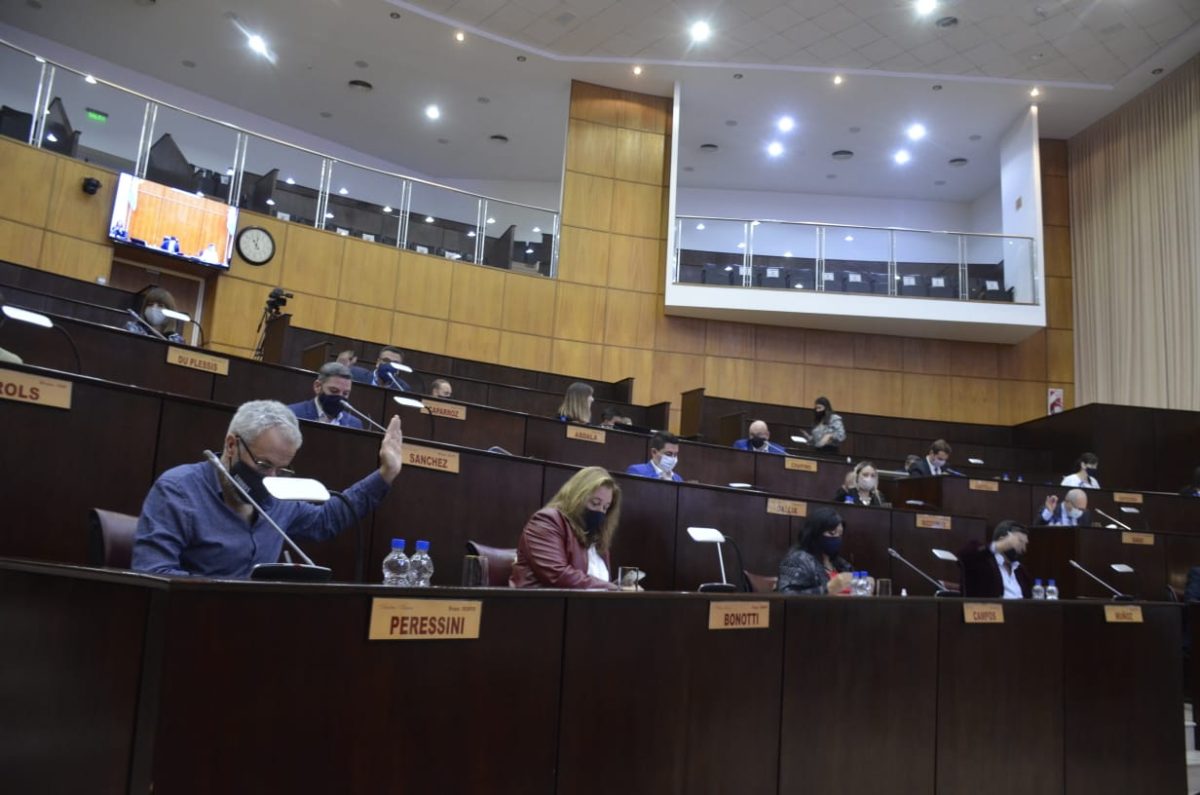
[30,388]
[739,615]
[1138,539]
[425,619]
[800,464]
[983,613]
[1123,614]
[583,434]
[182,357]
[935,521]
[983,485]
[1128,498]
[431,458]
[447,411]
[787,507]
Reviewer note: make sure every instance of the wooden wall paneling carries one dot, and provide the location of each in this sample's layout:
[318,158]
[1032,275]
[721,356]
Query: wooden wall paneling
[1025,361]
[525,350]
[313,260]
[477,295]
[778,382]
[833,348]
[591,148]
[728,376]
[528,305]
[424,285]
[636,363]
[636,263]
[1055,204]
[878,352]
[876,392]
[595,103]
[638,209]
[631,319]
[1060,355]
[644,112]
[926,396]
[271,272]
[1060,310]
[237,305]
[680,334]
[928,356]
[780,344]
[579,313]
[71,256]
[20,243]
[639,157]
[975,400]
[473,342]
[308,311]
[675,373]
[729,339]
[28,177]
[362,322]
[583,256]
[1056,241]
[584,359]
[974,359]
[419,332]
[1022,400]
[835,383]
[369,274]
[75,213]
[587,202]
[1053,155]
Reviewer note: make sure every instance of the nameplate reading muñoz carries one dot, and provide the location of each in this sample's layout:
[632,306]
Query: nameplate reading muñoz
[1123,614]
[28,388]
[447,411]
[430,458]
[1138,539]
[182,357]
[983,485]
[800,464]
[934,521]
[585,434]
[1127,497]
[739,615]
[424,619]
[983,613]
[786,507]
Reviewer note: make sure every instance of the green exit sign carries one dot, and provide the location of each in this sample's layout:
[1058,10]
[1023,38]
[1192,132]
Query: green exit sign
[97,115]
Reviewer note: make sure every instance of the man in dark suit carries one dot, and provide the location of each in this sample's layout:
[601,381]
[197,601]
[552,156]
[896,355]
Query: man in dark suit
[1071,512]
[995,571]
[664,454]
[935,461]
[759,440]
[330,389]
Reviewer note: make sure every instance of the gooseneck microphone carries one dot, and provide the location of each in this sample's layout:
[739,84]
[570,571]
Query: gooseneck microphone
[1117,595]
[146,324]
[302,572]
[939,589]
[346,405]
[1117,522]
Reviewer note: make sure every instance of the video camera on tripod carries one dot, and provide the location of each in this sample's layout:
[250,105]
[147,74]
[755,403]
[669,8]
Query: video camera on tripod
[276,301]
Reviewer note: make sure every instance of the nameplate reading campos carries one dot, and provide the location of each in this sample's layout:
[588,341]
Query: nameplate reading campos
[739,615]
[425,619]
[29,388]
[182,357]
[582,434]
[430,458]
[983,613]
[447,411]
[800,464]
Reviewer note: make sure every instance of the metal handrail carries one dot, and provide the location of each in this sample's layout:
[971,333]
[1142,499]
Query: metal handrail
[851,226]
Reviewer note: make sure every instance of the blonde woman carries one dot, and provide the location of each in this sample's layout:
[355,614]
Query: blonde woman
[566,543]
[861,487]
[577,404]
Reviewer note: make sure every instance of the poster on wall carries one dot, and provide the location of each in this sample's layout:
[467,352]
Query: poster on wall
[1054,400]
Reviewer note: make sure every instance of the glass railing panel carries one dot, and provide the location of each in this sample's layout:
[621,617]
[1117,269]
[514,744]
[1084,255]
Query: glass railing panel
[18,92]
[191,153]
[365,203]
[784,255]
[856,260]
[281,180]
[1000,269]
[93,122]
[927,264]
[443,222]
[518,238]
[711,251]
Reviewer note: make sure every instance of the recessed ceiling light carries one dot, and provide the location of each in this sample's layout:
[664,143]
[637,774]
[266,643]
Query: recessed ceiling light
[51,137]
[290,181]
[854,129]
[975,137]
[429,219]
[343,191]
[361,64]
[500,139]
[326,114]
[838,80]
[849,238]
[443,140]
[521,59]
[947,22]
[1035,92]
[925,7]
[491,220]
[700,31]
[831,176]
[741,245]
[901,157]
[939,182]
[257,44]
[700,227]
[842,154]
[786,124]
[394,15]
[755,223]
[958,162]
[730,123]
[738,75]
[387,208]
[433,112]
[728,268]
[774,149]
[270,202]
[637,70]
[537,230]
[787,254]
[328,215]
[471,233]
[482,100]
[689,168]
[460,36]
[229,172]
[89,79]
[529,251]
[915,132]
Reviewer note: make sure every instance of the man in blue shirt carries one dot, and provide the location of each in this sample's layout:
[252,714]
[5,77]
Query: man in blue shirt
[759,440]
[333,385]
[193,523]
[664,455]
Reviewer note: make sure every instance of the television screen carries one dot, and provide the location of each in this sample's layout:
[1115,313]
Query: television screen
[172,221]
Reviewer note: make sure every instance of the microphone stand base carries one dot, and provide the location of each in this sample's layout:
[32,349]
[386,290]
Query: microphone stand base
[946,592]
[718,587]
[290,572]
[1123,597]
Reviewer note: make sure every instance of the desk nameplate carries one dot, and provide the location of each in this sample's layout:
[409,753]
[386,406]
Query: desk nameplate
[800,464]
[786,507]
[431,458]
[1123,614]
[205,362]
[1128,498]
[424,619]
[449,411]
[739,615]
[983,613]
[29,388]
[983,485]
[933,521]
[585,434]
[1138,539]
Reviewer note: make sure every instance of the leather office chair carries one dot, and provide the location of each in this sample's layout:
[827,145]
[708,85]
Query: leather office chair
[110,538]
[760,583]
[500,562]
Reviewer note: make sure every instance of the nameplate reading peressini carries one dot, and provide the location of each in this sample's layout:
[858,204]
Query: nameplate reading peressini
[584,434]
[182,357]
[431,458]
[424,619]
[739,615]
[29,388]
[983,613]
[448,411]
[800,464]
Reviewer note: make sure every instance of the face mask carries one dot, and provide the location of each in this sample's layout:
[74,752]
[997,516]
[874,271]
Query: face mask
[819,414]
[330,404]
[250,479]
[155,316]
[1074,512]
[868,483]
[1092,470]
[667,462]
[831,546]
[1012,555]
[592,520]
[757,442]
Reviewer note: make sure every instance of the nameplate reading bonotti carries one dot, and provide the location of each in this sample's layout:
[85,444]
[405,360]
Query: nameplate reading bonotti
[739,615]
[424,619]
[36,389]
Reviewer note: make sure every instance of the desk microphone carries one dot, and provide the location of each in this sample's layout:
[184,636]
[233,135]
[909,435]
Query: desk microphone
[939,589]
[361,416]
[1117,595]
[953,472]
[1117,522]
[292,572]
[146,324]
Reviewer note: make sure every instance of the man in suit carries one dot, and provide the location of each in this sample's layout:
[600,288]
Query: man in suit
[385,373]
[664,455]
[1071,512]
[995,571]
[935,462]
[441,388]
[330,389]
[759,440]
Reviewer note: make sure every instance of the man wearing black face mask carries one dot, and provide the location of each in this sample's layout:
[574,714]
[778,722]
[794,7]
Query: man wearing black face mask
[332,386]
[995,571]
[759,440]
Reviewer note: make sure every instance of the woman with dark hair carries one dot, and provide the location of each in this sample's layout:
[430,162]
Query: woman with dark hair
[815,565]
[150,306]
[577,404]
[829,431]
[1084,476]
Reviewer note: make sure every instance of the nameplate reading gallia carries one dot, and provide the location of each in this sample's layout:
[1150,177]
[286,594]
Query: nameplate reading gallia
[29,388]
[425,619]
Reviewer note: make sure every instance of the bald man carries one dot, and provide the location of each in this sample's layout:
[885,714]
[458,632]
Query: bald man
[1071,512]
[759,440]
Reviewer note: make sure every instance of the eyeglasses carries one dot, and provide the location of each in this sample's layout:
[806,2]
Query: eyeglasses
[265,467]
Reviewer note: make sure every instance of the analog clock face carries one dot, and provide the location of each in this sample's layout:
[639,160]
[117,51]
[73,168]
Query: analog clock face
[255,245]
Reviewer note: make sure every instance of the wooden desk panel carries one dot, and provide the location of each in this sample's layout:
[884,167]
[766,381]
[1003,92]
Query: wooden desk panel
[483,428]
[714,465]
[771,474]
[547,439]
[866,536]
[915,543]
[250,380]
[762,537]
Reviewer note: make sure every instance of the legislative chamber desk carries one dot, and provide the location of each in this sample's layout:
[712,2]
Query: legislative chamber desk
[114,682]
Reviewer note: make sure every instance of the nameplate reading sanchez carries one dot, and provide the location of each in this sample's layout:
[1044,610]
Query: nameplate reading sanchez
[447,411]
[983,613]
[934,521]
[1123,614]
[1127,497]
[983,485]
[787,507]
[181,357]
[739,615]
[29,388]
[594,435]
[800,464]
[1138,539]
[424,619]
[430,458]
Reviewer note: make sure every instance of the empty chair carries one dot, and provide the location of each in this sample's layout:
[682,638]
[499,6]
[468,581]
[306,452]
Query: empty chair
[110,538]
[857,282]
[500,562]
[943,287]
[760,583]
[168,166]
[59,136]
[15,123]
[913,284]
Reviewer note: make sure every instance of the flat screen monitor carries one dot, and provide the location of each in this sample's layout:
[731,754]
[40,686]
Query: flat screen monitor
[173,222]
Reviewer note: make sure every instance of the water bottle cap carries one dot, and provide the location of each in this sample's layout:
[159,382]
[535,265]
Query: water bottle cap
[422,546]
[1052,582]
[1037,582]
[397,543]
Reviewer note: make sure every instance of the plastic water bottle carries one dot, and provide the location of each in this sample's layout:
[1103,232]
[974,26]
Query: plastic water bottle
[1038,591]
[1052,590]
[397,569]
[860,583]
[422,566]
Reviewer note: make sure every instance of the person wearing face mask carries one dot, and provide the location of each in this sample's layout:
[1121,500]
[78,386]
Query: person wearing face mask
[332,386]
[759,440]
[1084,476]
[664,455]
[995,571]
[829,430]
[1071,512]
[863,489]
[814,566]
[150,308]
[385,373]
[566,543]
[193,521]
[935,462]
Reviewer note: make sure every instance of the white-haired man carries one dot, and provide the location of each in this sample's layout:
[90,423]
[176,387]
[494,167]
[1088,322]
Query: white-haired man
[194,523]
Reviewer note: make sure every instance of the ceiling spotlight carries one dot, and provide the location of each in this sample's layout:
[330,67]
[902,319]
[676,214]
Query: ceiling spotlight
[343,191]
[837,80]
[387,208]
[89,80]
[637,70]
[429,219]
[1035,92]
[786,124]
[537,230]
[755,223]
[491,220]
[471,233]
[270,202]
[460,36]
[741,245]
[1158,70]
[328,215]
[774,149]
[529,251]
[849,238]
[51,137]
[902,157]
[700,227]
[915,132]
[787,254]
[257,44]
[700,31]
[925,7]
[290,181]
[433,112]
